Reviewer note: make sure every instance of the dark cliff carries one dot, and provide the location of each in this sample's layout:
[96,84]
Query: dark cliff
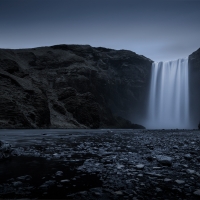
[71,86]
[194,82]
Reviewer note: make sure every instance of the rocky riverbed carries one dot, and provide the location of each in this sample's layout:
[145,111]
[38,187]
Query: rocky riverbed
[100,164]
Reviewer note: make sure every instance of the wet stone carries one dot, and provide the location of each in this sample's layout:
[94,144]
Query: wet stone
[198,174]
[190,171]
[164,160]
[154,174]
[167,180]
[180,181]
[140,175]
[139,166]
[59,173]
[83,193]
[17,183]
[25,177]
[119,193]
[47,184]
[65,181]
[188,156]
[158,190]
[197,193]
[156,168]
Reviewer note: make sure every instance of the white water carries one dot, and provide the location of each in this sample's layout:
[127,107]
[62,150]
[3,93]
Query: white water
[169,95]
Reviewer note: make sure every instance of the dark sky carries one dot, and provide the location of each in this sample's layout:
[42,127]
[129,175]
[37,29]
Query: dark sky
[158,29]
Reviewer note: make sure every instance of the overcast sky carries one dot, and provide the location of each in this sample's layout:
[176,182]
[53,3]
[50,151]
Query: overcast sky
[158,29]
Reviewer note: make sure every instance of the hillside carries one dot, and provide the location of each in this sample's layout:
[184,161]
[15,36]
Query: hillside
[71,86]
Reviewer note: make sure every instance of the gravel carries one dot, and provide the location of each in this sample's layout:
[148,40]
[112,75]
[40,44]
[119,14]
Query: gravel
[106,164]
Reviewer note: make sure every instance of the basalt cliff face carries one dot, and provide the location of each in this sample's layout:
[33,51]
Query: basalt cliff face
[71,86]
[194,82]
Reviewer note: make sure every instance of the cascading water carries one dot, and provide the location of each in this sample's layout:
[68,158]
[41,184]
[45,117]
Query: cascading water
[169,95]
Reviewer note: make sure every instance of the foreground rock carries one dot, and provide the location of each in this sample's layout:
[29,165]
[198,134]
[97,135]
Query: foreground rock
[104,165]
[71,86]
[6,151]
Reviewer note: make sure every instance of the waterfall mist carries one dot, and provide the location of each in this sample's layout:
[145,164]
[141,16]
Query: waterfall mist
[169,95]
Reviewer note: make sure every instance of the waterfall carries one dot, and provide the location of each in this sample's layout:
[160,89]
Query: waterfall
[169,95]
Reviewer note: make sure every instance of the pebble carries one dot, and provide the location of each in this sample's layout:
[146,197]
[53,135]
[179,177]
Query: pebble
[120,193]
[17,183]
[154,174]
[190,171]
[197,192]
[47,184]
[188,156]
[120,166]
[157,168]
[198,174]
[164,160]
[116,161]
[83,192]
[25,177]
[59,173]
[158,190]
[98,194]
[179,181]
[140,175]
[65,181]
[140,166]
[167,180]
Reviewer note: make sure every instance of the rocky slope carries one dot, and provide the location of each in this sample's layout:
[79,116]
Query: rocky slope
[194,79]
[71,86]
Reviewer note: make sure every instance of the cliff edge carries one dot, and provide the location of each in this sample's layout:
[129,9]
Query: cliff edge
[71,86]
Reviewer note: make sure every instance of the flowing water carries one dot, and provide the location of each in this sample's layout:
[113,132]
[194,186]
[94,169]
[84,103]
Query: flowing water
[169,95]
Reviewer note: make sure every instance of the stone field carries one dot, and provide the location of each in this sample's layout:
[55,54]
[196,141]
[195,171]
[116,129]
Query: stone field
[100,164]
